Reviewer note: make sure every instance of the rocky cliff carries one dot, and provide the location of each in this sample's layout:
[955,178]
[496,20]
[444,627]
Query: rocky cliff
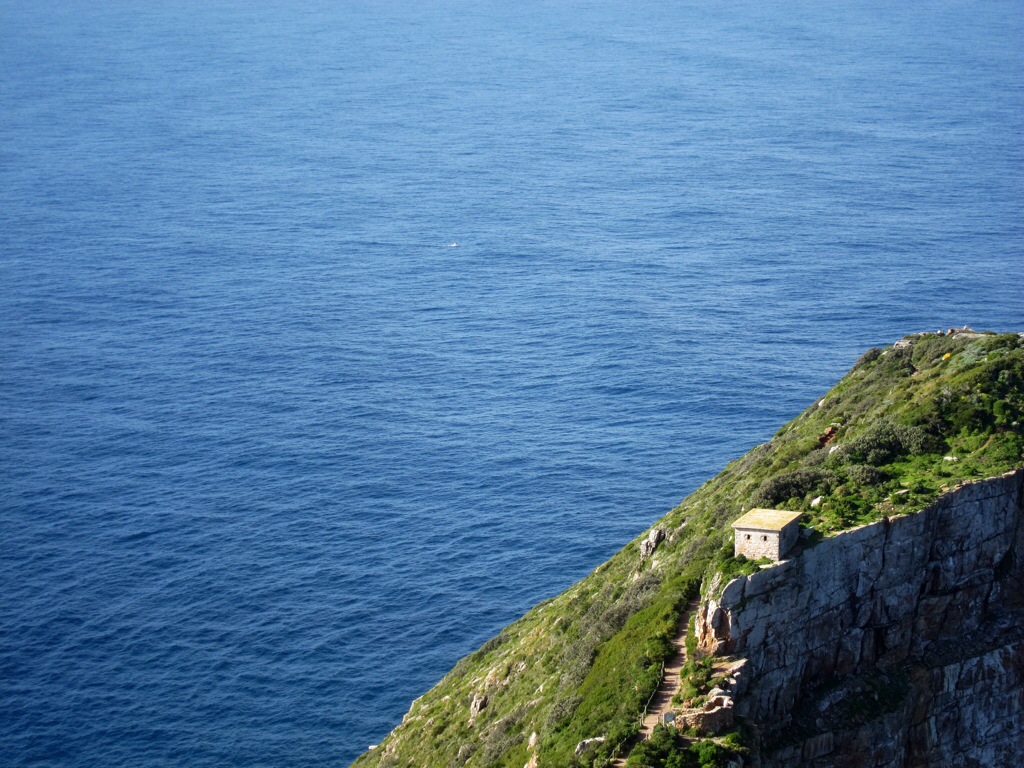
[894,644]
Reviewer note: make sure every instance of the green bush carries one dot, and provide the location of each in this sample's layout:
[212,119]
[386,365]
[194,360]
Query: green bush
[1004,412]
[691,636]
[870,356]
[668,749]
[654,752]
[563,708]
[884,442]
[796,484]
[865,474]
[695,680]
[709,754]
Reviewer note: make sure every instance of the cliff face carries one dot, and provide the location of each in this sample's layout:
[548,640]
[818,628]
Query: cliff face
[895,644]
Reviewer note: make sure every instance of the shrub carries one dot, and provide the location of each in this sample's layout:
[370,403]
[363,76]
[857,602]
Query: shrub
[885,442]
[1003,412]
[795,484]
[695,681]
[563,709]
[871,355]
[657,648]
[734,741]
[710,754]
[502,737]
[665,749]
[816,458]
[865,474]
[915,440]
[691,636]
[478,655]
[637,596]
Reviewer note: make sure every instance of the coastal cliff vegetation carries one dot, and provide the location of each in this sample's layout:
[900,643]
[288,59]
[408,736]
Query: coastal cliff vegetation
[566,685]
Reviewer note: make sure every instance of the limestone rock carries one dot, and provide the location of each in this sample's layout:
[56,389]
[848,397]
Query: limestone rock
[587,744]
[648,545]
[477,704]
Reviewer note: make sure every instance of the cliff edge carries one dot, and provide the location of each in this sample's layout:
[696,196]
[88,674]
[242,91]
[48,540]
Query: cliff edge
[891,635]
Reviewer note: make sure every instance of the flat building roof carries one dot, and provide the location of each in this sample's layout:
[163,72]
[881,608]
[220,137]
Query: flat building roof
[766,519]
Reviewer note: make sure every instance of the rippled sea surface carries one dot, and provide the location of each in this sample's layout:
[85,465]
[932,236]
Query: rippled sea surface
[275,451]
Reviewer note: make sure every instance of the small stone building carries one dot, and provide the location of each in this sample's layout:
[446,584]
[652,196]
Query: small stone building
[766,533]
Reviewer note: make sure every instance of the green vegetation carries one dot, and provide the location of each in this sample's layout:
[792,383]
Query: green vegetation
[900,428]
[697,678]
[667,748]
[906,424]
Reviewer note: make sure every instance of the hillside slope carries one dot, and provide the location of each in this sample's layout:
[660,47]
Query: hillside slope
[906,424]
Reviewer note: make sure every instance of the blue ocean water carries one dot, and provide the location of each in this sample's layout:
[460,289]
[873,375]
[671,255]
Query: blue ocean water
[335,335]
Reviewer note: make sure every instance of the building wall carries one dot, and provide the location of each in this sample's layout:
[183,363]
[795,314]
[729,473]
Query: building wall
[759,544]
[790,534]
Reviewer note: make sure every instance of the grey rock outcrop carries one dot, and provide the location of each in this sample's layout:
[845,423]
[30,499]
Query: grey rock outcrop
[648,545]
[476,706]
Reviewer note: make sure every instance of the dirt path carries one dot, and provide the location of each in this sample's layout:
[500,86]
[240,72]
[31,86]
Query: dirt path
[662,701]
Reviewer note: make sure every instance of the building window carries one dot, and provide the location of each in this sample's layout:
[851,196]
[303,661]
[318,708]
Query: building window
[764,538]
[748,537]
